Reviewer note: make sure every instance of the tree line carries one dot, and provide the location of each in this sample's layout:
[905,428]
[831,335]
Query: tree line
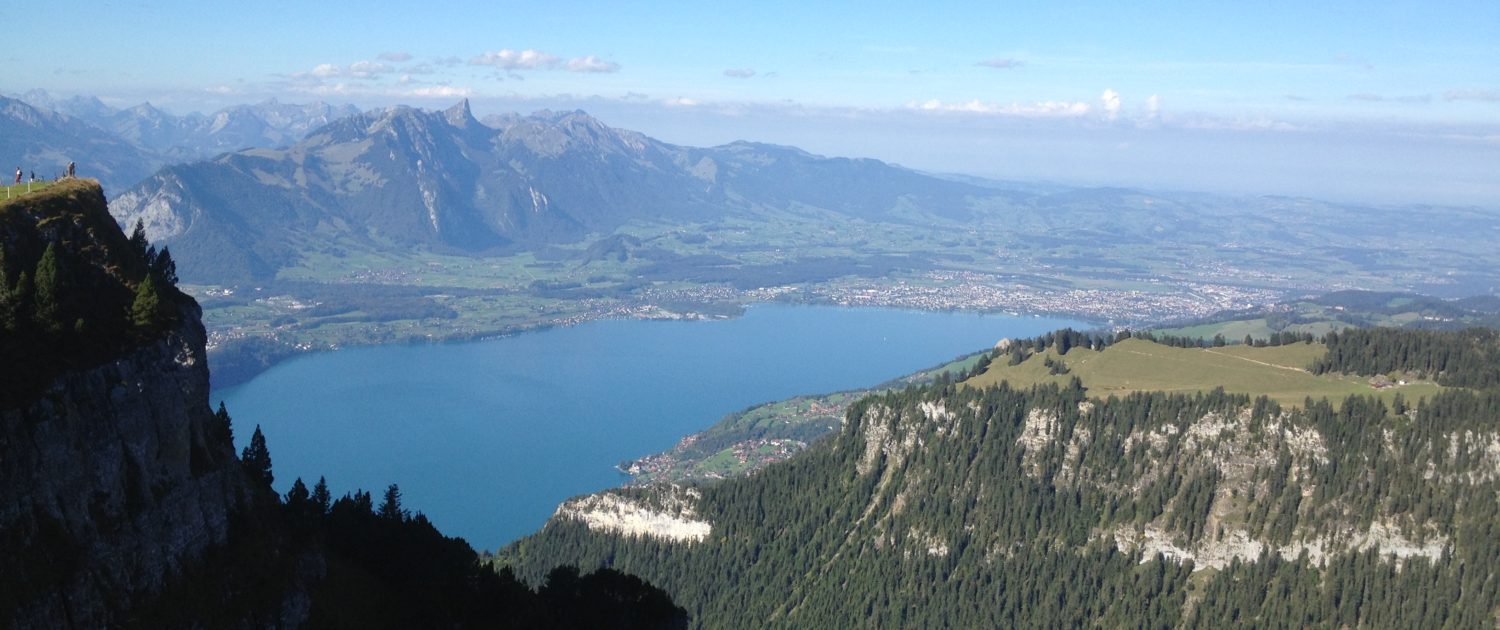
[1467,358]
[386,566]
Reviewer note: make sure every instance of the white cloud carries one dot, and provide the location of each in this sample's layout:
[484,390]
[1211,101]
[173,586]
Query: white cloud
[529,59]
[1239,124]
[339,88]
[682,101]
[1111,103]
[357,70]
[219,89]
[1005,63]
[1485,96]
[404,87]
[508,59]
[592,64]
[440,91]
[396,57]
[1153,107]
[1057,109]
[740,73]
[368,69]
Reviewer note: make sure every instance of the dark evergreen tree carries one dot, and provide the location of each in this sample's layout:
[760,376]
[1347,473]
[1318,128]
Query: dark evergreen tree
[164,268]
[298,496]
[148,312]
[257,459]
[320,497]
[138,242]
[390,506]
[10,307]
[48,309]
[225,424]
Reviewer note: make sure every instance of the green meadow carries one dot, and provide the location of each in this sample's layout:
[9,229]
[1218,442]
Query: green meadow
[1137,365]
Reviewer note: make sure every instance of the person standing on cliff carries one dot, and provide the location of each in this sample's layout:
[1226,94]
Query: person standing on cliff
[71,166]
[18,174]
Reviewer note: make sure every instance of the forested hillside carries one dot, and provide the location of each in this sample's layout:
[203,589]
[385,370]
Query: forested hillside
[958,506]
[1470,358]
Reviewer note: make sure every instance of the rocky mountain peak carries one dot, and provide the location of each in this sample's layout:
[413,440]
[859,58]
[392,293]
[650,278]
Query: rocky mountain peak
[460,116]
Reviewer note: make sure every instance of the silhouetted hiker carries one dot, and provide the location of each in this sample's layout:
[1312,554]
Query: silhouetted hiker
[70,168]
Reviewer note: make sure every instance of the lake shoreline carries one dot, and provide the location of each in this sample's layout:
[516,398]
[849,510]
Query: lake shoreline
[244,367]
[487,438]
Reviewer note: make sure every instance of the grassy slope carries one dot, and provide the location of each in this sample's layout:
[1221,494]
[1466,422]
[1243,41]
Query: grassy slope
[16,191]
[1137,365]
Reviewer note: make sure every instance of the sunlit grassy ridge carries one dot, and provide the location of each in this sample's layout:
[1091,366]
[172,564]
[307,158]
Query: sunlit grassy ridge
[16,191]
[1136,365]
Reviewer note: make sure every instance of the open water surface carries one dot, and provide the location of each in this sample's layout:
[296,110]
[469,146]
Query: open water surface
[487,437]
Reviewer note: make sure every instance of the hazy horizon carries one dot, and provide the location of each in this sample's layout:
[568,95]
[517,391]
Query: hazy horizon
[1394,103]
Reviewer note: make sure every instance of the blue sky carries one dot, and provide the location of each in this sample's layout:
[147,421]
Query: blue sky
[1372,101]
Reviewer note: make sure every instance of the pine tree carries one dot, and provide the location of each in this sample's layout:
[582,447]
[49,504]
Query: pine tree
[138,242]
[226,426]
[10,312]
[163,267]
[21,297]
[48,312]
[320,496]
[257,459]
[390,507]
[298,496]
[147,312]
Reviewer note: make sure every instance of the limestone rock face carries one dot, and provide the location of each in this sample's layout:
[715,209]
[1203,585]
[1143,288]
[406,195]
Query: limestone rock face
[112,481]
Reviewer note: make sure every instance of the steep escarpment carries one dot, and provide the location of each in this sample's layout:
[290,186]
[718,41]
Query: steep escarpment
[115,480]
[956,506]
[116,477]
[122,502]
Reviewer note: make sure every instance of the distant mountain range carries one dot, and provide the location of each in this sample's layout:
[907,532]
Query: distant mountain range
[43,142]
[196,136]
[445,180]
[400,181]
[122,146]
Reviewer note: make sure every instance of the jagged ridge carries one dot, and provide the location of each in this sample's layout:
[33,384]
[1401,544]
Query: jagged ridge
[444,180]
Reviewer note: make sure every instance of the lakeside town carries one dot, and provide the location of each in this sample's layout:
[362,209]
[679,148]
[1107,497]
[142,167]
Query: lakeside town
[286,321]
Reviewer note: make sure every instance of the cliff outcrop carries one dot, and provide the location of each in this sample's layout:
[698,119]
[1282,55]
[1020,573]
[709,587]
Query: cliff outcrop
[122,503]
[115,476]
[114,480]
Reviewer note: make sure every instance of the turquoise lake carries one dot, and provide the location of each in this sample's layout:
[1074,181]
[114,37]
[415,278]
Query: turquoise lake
[487,437]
